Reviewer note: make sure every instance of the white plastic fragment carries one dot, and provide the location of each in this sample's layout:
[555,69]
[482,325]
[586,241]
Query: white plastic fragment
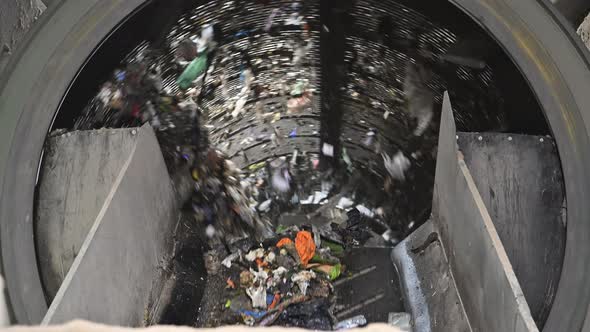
[294,19]
[309,200]
[397,166]
[229,259]
[302,280]
[210,231]
[277,275]
[319,196]
[264,206]
[280,182]
[316,236]
[270,257]
[259,276]
[365,211]
[247,141]
[344,203]
[258,296]
[328,150]
[105,95]
[370,137]
[279,272]
[351,323]
[253,254]
[248,80]
[239,109]
[401,320]
[379,211]
[294,158]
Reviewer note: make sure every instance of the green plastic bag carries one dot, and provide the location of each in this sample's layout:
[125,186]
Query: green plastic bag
[335,271]
[335,248]
[192,71]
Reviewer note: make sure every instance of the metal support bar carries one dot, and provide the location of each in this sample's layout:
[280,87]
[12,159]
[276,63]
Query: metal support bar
[334,19]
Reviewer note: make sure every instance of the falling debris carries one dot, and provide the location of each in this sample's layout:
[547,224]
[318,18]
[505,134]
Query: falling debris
[328,150]
[397,166]
[192,72]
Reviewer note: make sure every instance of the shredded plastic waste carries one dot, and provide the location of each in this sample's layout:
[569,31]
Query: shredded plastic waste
[351,323]
[192,71]
[396,166]
[305,246]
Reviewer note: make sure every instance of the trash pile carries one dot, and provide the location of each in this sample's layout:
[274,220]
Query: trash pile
[276,233]
[283,281]
[278,279]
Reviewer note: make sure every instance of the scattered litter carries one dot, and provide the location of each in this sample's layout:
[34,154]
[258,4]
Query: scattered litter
[308,200]
[397,166]
[239,109]
[328,150]
[270,257]
[192,71]
[401,320]
[332,271]
[265,206]
[284,241]
[275,301]
[302,280]
[369,139]
[298,89]
[259,276]
[305,246]
[279,272]
[344,203]
[351,323]
[246,278]
[210,231]
[230,283]
[319,196]
[256,167]
[258,296]
[280,181]
[229,259]
[252,255]
[365,211]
